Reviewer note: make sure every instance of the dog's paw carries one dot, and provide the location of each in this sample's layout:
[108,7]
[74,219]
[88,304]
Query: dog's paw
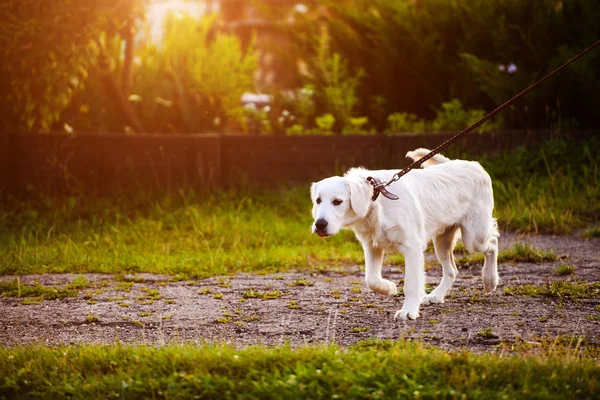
[406,315]
[490,284]
[432,298]
[392,288]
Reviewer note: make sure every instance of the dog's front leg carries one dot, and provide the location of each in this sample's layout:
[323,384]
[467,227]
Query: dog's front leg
[414,282]
[373,263]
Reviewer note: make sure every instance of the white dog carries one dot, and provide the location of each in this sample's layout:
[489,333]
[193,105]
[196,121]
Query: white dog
[446,198]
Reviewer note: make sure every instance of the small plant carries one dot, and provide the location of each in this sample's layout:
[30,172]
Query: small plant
[486,334]
[292,304]
[360,330]
[124,286]
[91,302]
[204,290]
[278,278]
[217,296]
[543,319]
[223,283]
[91,319]
[301,282]
[251,318]
[515,314]
[520,323]
[145,314]
[335,294]
[593,232]
[356,289]
[271,295]
[79,282]
[167,316]
[145,302]
[119,298]
[152,293]
[434,321]
[123,304]
[325,123]
[593,318]
[565,269]
[32,301]
[170,301]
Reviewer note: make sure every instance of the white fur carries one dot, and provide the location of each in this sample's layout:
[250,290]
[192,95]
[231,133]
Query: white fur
[439,202]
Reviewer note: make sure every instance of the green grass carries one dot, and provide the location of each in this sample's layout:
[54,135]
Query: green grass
[564,269]
[16,288]
[369,370]
[192,236]
[557,289]
[593,232]
[553,188]
[518,252]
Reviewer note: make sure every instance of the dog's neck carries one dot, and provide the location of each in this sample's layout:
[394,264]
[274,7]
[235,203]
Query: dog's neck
[368,224]
[368,230]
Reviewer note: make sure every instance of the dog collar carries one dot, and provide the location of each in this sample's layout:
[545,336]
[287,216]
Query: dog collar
[380,188]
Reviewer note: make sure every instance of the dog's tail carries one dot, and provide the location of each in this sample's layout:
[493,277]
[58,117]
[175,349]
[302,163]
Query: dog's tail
[420,153]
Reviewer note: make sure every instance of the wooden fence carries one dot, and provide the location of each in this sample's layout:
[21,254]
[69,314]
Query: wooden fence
[103,164]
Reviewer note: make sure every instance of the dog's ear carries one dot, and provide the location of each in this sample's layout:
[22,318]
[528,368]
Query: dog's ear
[360,195]
[313,191]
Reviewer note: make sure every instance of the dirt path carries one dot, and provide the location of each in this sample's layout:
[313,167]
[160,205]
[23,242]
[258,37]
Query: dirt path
[330,307]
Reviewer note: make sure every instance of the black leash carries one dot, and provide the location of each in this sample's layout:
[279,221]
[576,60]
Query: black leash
[380,187]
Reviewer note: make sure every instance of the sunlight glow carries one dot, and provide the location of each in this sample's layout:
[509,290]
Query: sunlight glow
[159,10]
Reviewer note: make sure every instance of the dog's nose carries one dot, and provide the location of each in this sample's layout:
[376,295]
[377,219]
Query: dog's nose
[321,224]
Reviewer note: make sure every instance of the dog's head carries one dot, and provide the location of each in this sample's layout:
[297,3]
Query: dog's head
[337,202]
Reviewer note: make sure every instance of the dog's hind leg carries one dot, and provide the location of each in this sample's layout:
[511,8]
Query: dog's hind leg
[483,238]
[444,244]
[373,263]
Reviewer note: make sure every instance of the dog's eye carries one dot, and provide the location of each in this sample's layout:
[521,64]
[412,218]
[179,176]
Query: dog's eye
[319,200]
[337,202]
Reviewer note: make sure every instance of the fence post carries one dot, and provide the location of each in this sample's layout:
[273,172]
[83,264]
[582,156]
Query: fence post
[7,163]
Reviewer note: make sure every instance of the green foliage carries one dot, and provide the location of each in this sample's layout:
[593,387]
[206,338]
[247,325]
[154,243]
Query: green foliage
[418,54]
[565,269]
[451,117]
[191,82]
[325,123]
[47,50]
[367,370]
[554,187]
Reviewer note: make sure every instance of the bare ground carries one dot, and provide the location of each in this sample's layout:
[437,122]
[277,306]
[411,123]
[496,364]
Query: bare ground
[332,309]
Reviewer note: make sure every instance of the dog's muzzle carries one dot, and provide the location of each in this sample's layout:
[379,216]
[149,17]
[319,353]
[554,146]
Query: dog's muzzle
[321,227]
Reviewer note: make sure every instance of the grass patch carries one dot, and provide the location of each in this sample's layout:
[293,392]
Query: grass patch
[518,252]
[15,288]
[293,304]
[301,282]
[193,236]
[593,232]
[486,334]
[564,269]
[266,295]
[360,329]
[307,372]
[557,289]
[554,187]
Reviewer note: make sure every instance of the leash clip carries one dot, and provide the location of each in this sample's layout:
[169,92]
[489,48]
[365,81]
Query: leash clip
[380,188]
